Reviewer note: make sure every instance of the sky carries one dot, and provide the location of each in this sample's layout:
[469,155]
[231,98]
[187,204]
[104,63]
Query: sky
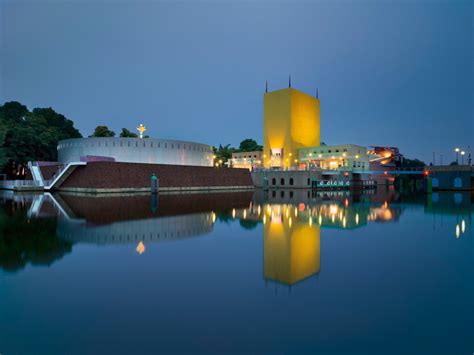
[393,73]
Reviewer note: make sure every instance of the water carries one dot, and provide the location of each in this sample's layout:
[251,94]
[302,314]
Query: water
[331,272]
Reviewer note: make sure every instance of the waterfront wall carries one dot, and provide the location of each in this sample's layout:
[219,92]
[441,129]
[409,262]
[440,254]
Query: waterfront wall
[136,150]
[128,177]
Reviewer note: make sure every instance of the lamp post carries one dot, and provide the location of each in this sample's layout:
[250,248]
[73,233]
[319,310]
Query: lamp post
[462,157]
[457,154]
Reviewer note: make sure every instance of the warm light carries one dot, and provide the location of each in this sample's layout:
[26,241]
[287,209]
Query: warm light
[264,219]
[457,231]
[463,226]
[290,222]
[213,217]
[233,213]
[320,220]
[245,214]
[310,222]
[259,210]
[291,154]
[346,202]
[357,156]
[320,155]
[333,209]
[457,150]
[344,154]
[141,129]
[344,222]
[357,218]
[140,248]
[463,152]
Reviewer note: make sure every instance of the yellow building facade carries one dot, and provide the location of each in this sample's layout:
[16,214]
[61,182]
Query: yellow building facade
[291,122]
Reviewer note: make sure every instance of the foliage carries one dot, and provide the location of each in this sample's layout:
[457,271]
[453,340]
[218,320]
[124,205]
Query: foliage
[102,131]
[249,145]
[412,163]
[224,153]
[126,133]
[34,135]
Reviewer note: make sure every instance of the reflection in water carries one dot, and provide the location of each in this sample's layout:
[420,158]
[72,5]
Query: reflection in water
[291,245]
[40,229]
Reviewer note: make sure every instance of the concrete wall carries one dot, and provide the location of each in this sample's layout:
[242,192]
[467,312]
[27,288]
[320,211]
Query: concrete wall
[136,150]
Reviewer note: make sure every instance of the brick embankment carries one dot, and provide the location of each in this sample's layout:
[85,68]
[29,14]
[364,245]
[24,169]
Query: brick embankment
[103,210]
[47,171]
[128,177]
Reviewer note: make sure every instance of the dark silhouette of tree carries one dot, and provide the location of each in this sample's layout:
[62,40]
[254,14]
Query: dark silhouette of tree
[249,145]
[26,136]
[126,133]
[102,131]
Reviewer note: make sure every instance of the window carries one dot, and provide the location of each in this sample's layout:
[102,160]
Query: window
[151,145]
[129,143]
[159,144]
[274,181]
[166,145]
[329,151]
[337,150]
[273,193]
[136,144]
[291,194]
[282,193]
[172,145]
[282,181]
[291,181]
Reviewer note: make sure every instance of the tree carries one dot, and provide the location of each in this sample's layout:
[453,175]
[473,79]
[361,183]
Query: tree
[102,131]
[26,136]
[223,153]
[412,163]
[249,145]
[126,133]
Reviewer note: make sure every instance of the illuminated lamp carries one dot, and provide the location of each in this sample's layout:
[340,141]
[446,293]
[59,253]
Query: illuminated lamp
[385,172]
[426,172]
[346,173]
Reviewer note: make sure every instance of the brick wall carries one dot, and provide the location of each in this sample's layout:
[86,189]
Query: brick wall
[111,175]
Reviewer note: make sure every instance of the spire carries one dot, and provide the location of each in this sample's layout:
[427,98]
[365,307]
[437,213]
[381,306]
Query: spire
[266,86]
[317,93]
[289,81]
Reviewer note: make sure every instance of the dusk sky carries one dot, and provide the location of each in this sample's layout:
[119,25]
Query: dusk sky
[397,73]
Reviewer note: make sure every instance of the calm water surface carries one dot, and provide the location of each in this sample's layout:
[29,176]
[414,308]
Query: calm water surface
[284,271]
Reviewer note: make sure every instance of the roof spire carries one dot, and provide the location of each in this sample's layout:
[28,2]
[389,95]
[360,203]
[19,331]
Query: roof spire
[317,93]
[289,81]
[266,86]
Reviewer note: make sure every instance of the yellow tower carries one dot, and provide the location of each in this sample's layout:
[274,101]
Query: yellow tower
[291,121]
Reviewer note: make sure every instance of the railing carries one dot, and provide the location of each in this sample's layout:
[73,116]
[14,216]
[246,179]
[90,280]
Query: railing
[16,183]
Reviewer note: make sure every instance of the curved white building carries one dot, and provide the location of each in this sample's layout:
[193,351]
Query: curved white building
[136,150]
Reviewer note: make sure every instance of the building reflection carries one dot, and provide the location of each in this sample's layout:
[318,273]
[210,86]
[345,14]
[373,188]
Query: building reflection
[291,245]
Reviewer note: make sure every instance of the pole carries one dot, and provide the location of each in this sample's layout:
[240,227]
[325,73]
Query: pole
[433,158]
[441,159]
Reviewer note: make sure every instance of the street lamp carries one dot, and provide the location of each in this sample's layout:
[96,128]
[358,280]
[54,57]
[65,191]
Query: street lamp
[462,157]
[457,154]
